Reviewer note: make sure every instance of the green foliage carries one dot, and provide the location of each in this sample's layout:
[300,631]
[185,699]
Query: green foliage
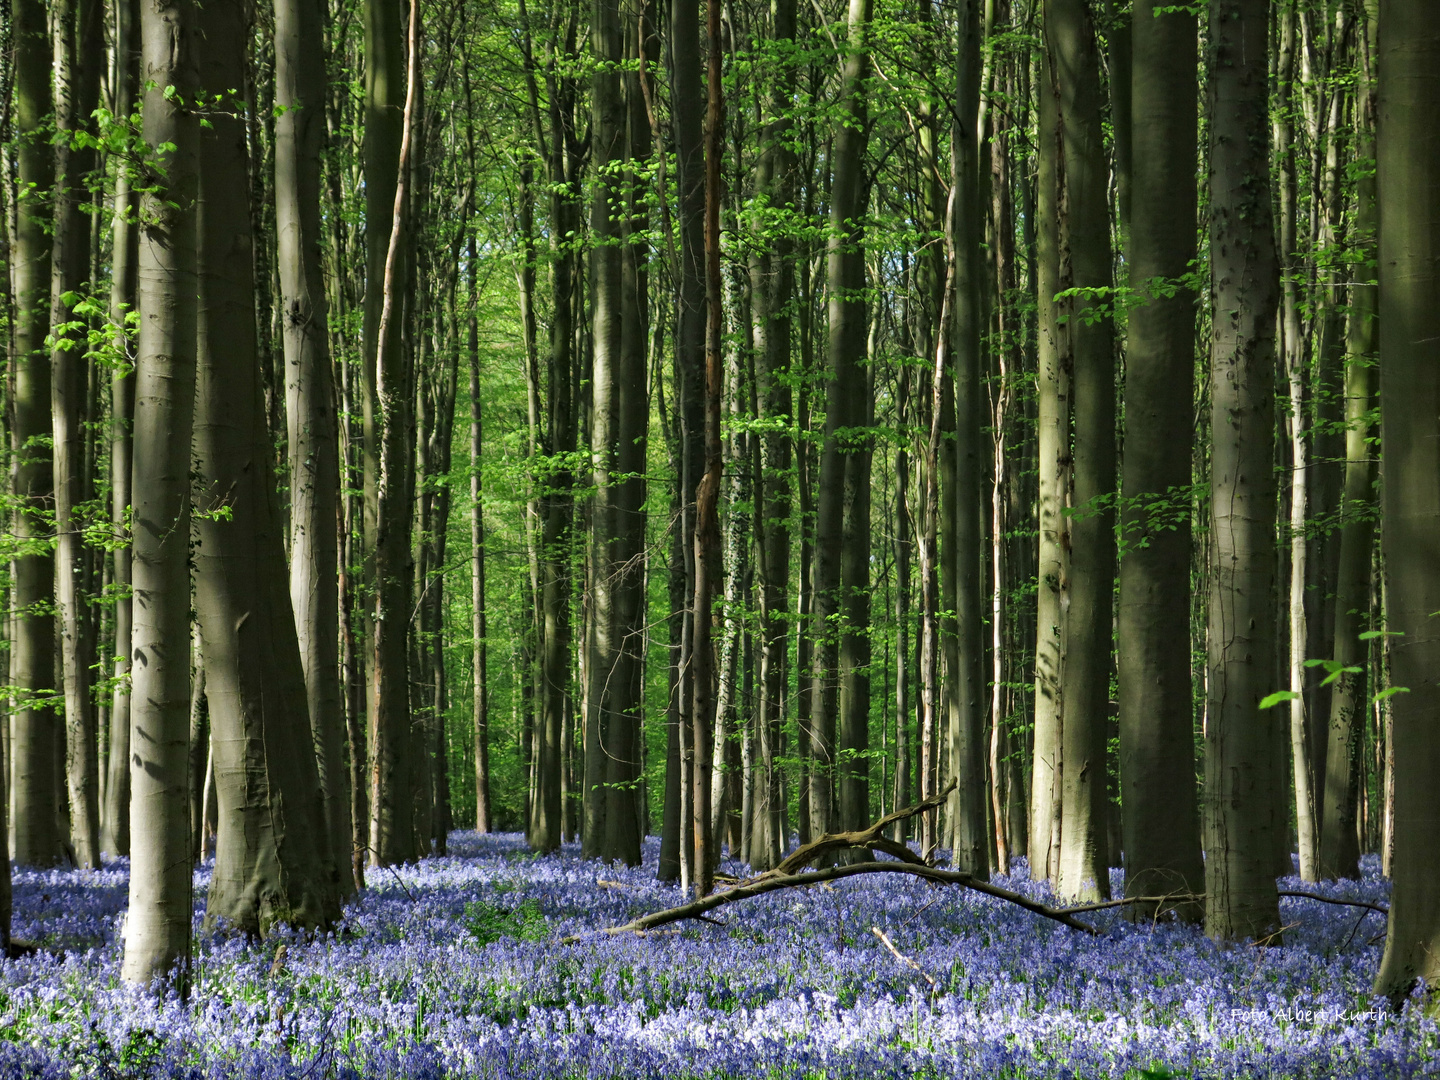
[488,923]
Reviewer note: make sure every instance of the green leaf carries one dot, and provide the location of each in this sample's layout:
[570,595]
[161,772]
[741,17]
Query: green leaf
[1391,691]
[1269,701]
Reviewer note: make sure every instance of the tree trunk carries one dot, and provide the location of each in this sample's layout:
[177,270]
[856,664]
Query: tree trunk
[1349,704]
[772,278]
[310,401]
[839,795]
[125,233]
[79,48]
[1242,742]
[384,418]
[1053,395]
[1161,826]
[273,860]
[34,797]
[969,839]
[1408,145]
[480,713]
[157,928]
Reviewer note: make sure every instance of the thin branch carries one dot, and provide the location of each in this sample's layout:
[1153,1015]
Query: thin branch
[1333,900]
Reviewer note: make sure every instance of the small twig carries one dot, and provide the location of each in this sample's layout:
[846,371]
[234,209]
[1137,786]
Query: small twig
[1263,942]
[934,986]
[605,884]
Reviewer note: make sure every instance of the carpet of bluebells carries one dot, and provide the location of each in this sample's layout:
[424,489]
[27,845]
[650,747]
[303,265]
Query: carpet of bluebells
[455,968]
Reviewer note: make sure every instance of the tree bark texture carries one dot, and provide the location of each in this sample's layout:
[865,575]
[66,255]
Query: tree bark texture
[1161,824]
[157,927]
[1243,743]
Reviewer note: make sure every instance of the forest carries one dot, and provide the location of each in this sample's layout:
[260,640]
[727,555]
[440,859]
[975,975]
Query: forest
[720,538]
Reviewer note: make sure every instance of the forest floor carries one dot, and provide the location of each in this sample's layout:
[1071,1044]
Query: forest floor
[454,968]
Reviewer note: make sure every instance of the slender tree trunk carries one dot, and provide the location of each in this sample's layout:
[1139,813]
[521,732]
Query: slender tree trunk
[1161,826]
[1408,152]
[310,401]
[772,278]
[1344,759]
[1242,742]
[969,837]
[78,51]
[479,632]
[157,927]
[125,233]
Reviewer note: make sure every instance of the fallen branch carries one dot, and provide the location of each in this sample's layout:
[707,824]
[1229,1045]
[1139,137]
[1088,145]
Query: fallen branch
[870,837]
[773,882]
[1333,900]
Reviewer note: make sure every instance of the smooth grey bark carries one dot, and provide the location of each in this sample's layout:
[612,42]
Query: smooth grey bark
[1160,823]
[78,50]
[1053,392]
[480,715]
[34,795]
[607,151]
[273,860]
[1073,77]
[125,233]
[310,401]
[1408,145]
[1243,743]
[157,926]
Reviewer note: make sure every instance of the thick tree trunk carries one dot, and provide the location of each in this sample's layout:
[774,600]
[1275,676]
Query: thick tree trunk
[385,404]
[273,861]
[1161,826]
[78,51]
[607,150]
[1408,145]
[1053,395]
[310,401]
[34,796]
[157,928]
[1073,77]
[841,691]
[1243,763]
[115,821]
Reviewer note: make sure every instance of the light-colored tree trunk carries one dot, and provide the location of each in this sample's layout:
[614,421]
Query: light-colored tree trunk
[1243,743]
[157,926]
[1408,161]
[1160,824]
[1053,400]
[480,714]
[125,233]
[78,51]
[310,401]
